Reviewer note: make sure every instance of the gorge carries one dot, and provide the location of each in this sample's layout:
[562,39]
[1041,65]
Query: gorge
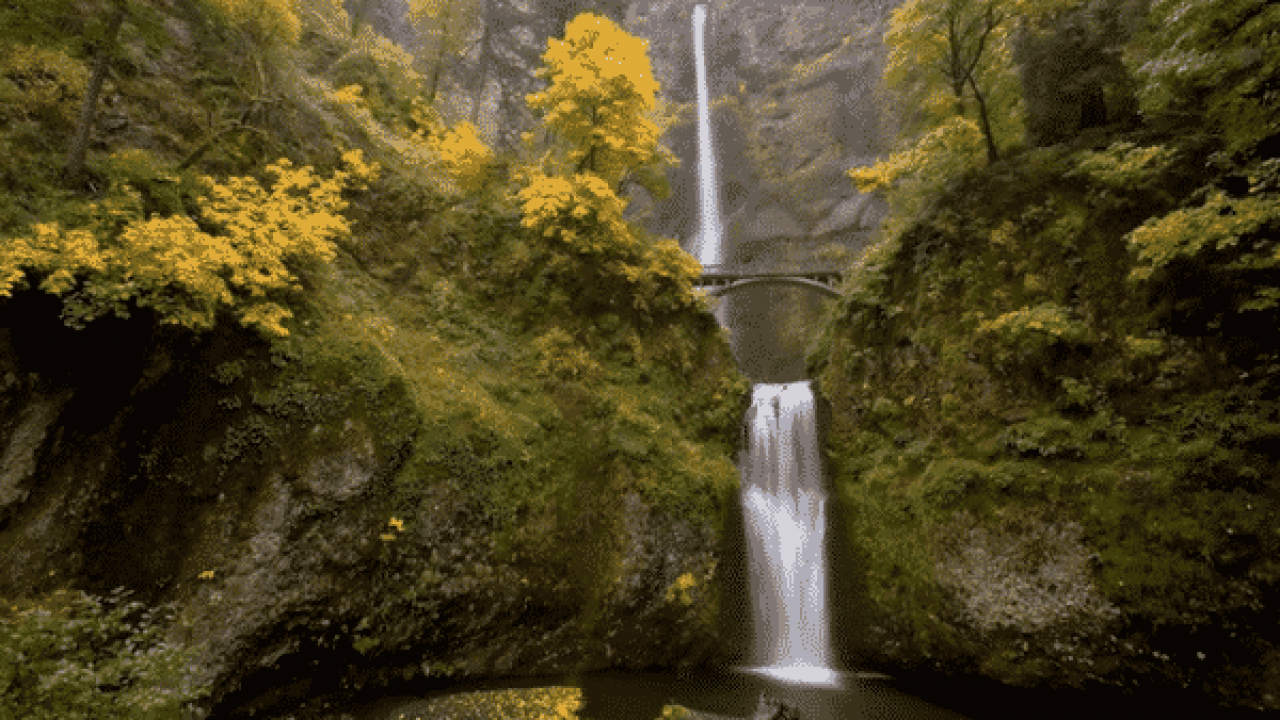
[476,431]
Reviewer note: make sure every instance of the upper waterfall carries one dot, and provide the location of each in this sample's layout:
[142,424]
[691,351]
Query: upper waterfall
[710,234]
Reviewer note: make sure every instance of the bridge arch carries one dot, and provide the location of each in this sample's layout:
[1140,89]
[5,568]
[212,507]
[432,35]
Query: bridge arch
[717,290]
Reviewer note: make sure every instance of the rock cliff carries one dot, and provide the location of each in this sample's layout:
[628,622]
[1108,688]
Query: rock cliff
[793,89]
[256,490]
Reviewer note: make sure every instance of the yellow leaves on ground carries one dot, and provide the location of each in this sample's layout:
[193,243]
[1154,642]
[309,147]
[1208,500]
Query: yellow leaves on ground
[550,703]
[172,265]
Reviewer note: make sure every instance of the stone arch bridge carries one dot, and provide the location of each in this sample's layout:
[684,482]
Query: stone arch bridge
[721,279]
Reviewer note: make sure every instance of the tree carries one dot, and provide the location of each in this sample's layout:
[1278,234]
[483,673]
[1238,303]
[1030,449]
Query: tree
[595,112]
[601,89]
[102,48]
[945,58]
[446,26]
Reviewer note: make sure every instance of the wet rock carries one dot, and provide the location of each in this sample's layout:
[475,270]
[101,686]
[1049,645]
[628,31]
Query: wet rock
[771,708]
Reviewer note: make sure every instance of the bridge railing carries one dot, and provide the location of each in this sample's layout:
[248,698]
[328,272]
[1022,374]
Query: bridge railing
[768,270]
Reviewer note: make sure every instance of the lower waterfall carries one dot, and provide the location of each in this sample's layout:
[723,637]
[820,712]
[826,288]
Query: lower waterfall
[784,509]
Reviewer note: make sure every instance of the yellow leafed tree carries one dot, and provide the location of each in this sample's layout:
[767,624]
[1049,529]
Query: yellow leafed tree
[602,88]
[597,106]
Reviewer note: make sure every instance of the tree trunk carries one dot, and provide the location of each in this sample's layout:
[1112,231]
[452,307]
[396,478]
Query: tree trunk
[359,16]
[992,153]
[482,76]
[442,48]
[73,171]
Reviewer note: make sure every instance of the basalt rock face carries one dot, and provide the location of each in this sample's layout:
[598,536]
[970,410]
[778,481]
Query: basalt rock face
[793,91]
[253,489]
[794,106]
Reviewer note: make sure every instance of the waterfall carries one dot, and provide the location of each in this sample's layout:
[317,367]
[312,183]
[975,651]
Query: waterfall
[709,231]
[784,509]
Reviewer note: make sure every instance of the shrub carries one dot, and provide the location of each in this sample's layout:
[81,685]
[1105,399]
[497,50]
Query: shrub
[42,83]
[89,658]
[176,268]
[1028,334]
[268,21]
[947,481]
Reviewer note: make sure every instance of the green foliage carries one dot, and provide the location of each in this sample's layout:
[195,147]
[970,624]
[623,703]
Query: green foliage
[1232,238]
[1085,330]
[941,56]
[947,481]
[82,658]
[560,358]
[1030,333]
[1123,165]
[1058,438]
[175,267]
[912,177]
[1210,58]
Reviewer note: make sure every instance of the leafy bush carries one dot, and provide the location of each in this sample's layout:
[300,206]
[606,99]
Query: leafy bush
[1233,237]
[562,359]
[41,82]
[177,268]
[86,659]
[268,21]
[947,481]
[1210,58]
[1029,333]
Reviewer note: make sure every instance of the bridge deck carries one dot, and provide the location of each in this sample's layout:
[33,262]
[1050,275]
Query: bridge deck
[743,272]
[724,277]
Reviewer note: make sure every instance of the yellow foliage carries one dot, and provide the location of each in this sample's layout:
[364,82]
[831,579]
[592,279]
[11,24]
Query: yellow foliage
[601,92]
[1222,226]
[273,21]
[1124,165]
[465,157]
[600,104]
[952,147]
[1219,224]
[185,274]
[682,589]
[348,95]
[1029,331]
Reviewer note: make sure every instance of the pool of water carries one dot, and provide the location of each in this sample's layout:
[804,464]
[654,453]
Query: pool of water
[633,696]
[849,696]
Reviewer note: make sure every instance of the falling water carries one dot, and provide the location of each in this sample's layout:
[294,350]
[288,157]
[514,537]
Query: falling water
[784,508]
[709,231]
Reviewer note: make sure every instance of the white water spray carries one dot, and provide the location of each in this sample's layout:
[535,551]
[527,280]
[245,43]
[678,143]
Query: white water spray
[784,508]
[709,231]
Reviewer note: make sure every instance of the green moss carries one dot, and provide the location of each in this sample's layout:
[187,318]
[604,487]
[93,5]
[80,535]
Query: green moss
[993,358]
